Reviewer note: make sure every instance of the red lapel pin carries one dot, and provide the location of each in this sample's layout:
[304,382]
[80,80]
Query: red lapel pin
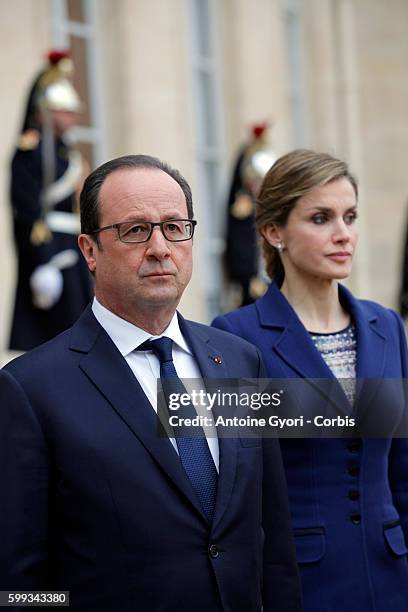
[217,360]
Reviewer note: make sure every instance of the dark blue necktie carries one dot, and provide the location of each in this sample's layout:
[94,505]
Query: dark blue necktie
[193,449]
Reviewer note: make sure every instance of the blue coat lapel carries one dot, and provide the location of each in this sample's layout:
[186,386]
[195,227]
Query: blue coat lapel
[294,345]
[107,369]
[205,351]
[291,340]
[371,350]
[371,340]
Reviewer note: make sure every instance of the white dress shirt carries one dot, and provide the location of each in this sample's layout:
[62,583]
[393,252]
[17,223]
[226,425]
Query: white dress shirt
[145,365]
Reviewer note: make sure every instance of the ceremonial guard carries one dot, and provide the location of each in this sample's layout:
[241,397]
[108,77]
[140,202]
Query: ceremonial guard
[47,173]
[242,251]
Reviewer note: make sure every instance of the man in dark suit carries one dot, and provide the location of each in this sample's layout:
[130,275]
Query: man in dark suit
[94,500]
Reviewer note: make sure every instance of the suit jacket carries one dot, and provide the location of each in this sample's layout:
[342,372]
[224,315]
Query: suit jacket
[348,498]
[98,504]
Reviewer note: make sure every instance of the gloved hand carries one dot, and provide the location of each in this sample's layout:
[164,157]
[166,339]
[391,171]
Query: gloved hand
[46,284]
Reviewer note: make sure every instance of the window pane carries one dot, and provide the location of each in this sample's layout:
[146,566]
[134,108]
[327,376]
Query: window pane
[87,151]
[79,55]
[76,10]
[206,97]
[211,181]
[202,19]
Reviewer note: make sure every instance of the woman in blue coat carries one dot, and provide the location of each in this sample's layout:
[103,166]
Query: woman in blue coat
[349,498]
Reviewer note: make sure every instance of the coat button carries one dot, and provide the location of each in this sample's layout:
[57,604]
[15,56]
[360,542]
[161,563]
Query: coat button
[354,495]
[213,551]
[355,518]
[353,469]
[354,445]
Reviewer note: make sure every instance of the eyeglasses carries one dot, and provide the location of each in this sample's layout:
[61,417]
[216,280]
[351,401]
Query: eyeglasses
[174,230]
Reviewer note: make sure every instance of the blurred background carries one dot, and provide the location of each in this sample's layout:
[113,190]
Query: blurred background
[189,81]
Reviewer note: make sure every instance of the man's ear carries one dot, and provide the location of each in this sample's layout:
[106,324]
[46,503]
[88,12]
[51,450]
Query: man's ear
[272,234]
[88,248]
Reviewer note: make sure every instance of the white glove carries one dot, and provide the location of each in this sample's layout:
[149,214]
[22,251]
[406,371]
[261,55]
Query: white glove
[46,284]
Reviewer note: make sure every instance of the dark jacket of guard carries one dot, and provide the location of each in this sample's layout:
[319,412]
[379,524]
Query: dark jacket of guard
[242,251]
[32,326]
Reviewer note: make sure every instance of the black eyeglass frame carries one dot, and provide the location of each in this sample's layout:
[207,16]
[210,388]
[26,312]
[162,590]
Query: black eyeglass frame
[152,224]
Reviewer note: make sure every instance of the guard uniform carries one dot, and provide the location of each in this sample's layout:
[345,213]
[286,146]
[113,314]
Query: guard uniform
[242,254]
[53,285]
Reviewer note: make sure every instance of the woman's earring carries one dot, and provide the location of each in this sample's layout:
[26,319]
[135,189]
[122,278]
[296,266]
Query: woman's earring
[279,247]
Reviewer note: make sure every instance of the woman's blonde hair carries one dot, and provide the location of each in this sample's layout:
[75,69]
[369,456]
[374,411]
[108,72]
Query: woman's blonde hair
[292,176]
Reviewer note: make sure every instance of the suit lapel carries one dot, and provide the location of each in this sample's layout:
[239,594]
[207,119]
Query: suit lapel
[103,364]
[294,345]
[371,341]
[292,342]
[205,353]
[371,350]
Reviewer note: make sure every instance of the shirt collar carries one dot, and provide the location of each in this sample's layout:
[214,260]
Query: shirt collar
[127,337]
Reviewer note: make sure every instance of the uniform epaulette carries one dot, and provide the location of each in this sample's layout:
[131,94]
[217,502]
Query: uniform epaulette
[29,140]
